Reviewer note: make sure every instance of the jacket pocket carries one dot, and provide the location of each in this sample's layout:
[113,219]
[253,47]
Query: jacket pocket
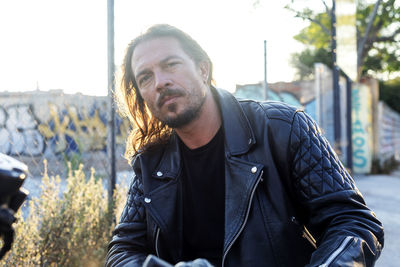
[305,233]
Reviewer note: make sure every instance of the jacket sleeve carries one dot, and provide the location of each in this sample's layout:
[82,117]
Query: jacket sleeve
[128,244]
[346,230]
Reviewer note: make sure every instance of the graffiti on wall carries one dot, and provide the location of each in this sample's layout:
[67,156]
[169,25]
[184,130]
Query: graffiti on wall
[389,133]
[73,130]
[67,130]
[19,134]
[361,129]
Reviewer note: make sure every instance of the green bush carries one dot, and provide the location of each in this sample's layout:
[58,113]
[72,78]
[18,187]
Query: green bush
[387,167]
[70,228]
[389,92]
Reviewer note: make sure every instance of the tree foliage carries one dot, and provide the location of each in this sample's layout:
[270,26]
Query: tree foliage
[316,35]
[378,38]
[304,61]
[389,92]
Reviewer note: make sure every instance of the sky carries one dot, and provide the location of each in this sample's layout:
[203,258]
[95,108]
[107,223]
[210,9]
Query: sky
[60,44]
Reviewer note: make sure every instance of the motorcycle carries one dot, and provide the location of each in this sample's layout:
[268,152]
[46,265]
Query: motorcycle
[12,175]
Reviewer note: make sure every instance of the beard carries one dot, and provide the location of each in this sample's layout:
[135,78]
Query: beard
[184,118]
[187,115]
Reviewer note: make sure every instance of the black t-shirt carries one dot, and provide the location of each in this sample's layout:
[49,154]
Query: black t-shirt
[203,187]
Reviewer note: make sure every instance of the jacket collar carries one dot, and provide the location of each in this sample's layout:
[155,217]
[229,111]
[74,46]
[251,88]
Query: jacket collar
[239,136]
[171,163]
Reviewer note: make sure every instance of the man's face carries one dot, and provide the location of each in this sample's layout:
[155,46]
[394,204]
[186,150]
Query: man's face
[173,86]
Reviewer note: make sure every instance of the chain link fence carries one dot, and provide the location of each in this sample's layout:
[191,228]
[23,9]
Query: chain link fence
[60,128]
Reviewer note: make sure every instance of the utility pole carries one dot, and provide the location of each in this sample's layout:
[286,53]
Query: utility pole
[349,125]
[265,71]
[111,87]
[335,78]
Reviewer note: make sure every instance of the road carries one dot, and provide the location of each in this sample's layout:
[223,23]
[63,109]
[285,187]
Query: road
[382,195]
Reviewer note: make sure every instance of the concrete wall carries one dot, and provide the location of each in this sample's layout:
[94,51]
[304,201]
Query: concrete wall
[362,128]
[37,125]
[375,135]
[388,133]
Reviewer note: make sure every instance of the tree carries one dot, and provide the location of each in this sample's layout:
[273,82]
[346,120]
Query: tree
[378,39]
[389,92]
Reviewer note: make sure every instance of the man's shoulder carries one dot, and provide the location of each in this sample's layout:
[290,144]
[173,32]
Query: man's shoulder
[273,110]
[151,155]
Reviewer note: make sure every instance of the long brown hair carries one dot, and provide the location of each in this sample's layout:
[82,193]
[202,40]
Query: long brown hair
[148,131]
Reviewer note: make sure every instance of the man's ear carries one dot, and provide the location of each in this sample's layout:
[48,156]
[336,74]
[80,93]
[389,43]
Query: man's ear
[204,67]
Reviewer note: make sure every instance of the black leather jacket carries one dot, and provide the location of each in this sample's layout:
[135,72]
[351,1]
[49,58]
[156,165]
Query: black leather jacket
[289,200]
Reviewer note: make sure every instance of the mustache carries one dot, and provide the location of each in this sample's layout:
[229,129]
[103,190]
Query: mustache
[167,93]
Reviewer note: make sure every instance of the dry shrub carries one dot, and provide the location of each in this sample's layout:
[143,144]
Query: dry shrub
[72,228]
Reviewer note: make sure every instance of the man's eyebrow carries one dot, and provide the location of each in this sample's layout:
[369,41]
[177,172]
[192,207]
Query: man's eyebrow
[169,58]
[142,72]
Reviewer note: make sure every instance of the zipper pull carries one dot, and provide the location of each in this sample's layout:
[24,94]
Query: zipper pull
[294,220]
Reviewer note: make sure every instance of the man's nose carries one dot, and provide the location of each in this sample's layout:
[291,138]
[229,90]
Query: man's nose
[162,80]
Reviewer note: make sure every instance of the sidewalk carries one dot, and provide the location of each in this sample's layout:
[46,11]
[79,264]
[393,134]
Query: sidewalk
[382,195]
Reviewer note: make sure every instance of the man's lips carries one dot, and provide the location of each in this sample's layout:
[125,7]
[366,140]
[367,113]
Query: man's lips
[168,96]
[168,99]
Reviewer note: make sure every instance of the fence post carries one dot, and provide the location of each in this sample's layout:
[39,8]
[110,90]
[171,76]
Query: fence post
[336,92]
[349,125]
[265,72]
[111,87]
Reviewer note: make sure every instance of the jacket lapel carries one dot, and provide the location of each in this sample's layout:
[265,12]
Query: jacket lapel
[241,180]
[164,198]
[241,176]
[239,136]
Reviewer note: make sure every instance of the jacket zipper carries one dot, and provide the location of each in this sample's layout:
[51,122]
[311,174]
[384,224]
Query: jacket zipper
[306,234]
[245,219]
[156,242]
[336,252]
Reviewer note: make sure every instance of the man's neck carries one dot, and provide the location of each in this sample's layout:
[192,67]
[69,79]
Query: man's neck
[200,131]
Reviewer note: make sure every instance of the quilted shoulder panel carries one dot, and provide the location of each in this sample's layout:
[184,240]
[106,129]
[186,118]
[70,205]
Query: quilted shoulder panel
[315,166]
[279,110]
[273,109]
[134,209]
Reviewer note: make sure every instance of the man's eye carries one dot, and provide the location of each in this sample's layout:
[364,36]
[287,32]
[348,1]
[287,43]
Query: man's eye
[173,63]
[144,79]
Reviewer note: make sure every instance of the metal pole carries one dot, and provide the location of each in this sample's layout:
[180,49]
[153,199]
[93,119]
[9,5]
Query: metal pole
[336,89]
[318,92]
[265,71]
[349,125]
[111,87]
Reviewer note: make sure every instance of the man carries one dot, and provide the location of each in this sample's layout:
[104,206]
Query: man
[237,183]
